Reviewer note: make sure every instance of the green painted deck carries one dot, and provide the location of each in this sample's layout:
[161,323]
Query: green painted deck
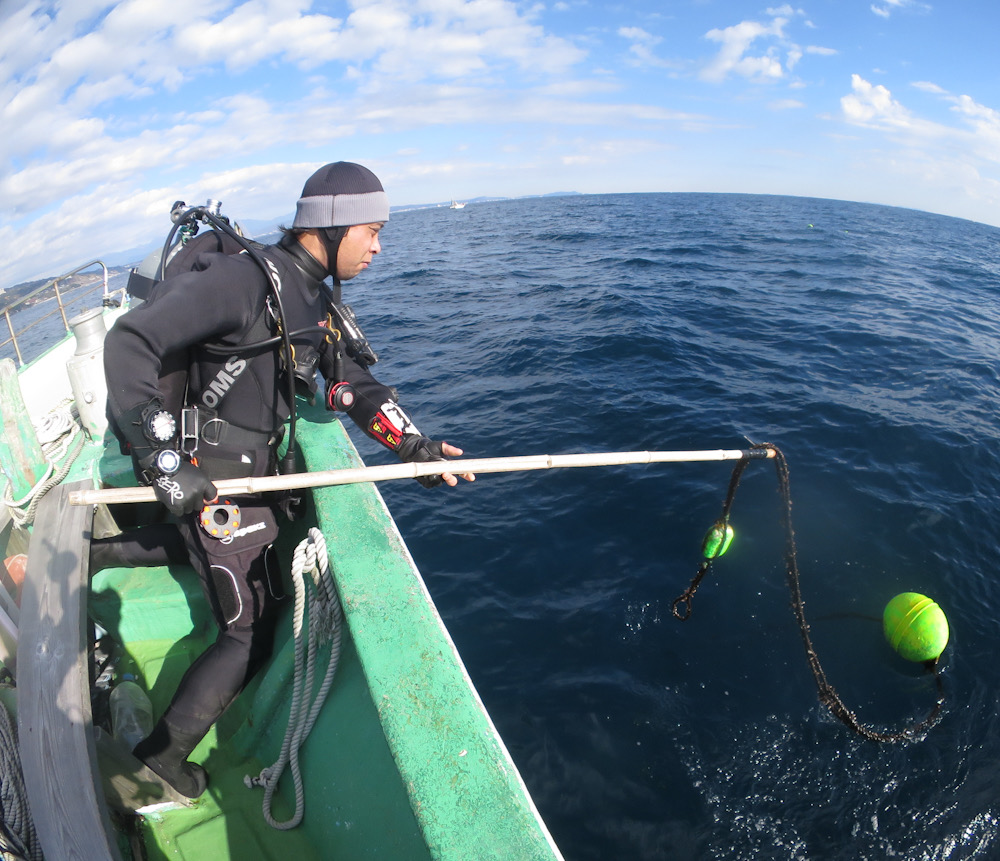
[403,763]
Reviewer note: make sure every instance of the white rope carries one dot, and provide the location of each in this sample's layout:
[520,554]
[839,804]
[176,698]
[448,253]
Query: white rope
[324,625]
[34,496]
[55,432]
[18,840]
[55,424]
[10,502]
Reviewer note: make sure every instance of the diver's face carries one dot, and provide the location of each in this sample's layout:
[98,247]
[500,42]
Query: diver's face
[359,245]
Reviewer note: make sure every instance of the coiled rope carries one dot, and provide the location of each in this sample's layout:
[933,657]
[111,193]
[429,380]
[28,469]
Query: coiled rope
[18,840]
[55,425]
[56,431]
[325,622]
[828,696]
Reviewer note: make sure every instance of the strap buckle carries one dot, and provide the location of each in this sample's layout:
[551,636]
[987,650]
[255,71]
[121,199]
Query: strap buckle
[215,436]
[190,431]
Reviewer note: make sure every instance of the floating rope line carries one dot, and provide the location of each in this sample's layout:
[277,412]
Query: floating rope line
[681,606]
[324,625]
[828,696]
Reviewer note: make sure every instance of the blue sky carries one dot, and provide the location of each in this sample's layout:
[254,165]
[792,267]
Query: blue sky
[111,111]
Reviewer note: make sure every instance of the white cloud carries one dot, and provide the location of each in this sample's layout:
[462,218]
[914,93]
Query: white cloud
[585,152]
[637,34]
[982,117]
[250,35]
[787,11]
[142,46]
[81,79]
[121,107]
[410,41]
[641,50]
[984,125]
[959,161]
[873,104]
[416,107]
[108,100]
[898,5]
[736,42]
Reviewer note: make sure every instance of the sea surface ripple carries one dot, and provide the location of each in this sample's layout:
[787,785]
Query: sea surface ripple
[864,342]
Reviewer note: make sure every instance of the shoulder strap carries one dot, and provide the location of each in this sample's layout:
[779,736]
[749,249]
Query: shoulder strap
[184,255]
[175,371]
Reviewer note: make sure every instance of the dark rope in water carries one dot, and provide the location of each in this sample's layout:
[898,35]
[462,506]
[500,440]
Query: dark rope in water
[829,697]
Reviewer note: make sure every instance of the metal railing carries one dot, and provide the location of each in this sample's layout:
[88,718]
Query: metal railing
[63,298]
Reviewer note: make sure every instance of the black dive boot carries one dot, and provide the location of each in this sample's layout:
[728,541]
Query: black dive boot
[166,750]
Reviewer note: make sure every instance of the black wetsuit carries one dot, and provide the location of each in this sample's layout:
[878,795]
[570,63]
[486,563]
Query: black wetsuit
[225,301]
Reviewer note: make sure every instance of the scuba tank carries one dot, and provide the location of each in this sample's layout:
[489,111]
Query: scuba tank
[172,258]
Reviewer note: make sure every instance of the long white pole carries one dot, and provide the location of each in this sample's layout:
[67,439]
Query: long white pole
[390,472]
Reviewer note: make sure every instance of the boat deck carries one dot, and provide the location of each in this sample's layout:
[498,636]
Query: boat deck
[403,761]
[354,796]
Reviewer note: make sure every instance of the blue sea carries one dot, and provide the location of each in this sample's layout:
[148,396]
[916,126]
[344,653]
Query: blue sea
[864,342]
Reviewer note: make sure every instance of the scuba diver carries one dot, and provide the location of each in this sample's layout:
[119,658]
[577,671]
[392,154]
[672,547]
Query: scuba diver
[202,379]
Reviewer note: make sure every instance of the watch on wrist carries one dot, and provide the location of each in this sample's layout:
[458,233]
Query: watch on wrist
[159,426]
[167,461]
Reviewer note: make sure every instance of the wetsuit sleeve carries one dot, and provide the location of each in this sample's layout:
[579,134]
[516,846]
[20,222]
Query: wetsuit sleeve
[376,411]
[212,304]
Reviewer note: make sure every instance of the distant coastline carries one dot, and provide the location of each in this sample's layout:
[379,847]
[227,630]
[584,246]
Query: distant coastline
[122,261]
[483,199]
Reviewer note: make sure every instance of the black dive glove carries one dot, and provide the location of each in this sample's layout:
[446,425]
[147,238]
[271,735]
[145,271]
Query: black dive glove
[419,449]
[185,491]
[392,427]
[149,432]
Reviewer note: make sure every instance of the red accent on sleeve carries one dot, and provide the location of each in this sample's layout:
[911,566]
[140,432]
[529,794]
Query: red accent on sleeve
[385,431]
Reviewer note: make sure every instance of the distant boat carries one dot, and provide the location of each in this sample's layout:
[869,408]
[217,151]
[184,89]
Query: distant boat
[456,205]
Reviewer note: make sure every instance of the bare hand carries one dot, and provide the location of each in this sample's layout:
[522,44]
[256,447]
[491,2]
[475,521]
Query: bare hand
[449,450]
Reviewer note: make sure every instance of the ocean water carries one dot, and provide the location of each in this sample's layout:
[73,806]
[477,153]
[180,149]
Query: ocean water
[863,341]
[36,327]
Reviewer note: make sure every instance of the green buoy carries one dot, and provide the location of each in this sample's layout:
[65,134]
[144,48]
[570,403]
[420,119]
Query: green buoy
[717,542]
[915,627]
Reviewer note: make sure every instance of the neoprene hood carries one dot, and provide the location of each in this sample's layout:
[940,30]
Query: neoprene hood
[341,194]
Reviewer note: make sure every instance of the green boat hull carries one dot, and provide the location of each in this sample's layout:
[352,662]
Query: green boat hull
[403,761]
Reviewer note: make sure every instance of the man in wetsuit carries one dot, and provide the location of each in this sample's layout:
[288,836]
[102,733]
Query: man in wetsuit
[220,325]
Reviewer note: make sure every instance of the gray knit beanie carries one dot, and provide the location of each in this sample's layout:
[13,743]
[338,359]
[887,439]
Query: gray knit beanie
[341,194]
